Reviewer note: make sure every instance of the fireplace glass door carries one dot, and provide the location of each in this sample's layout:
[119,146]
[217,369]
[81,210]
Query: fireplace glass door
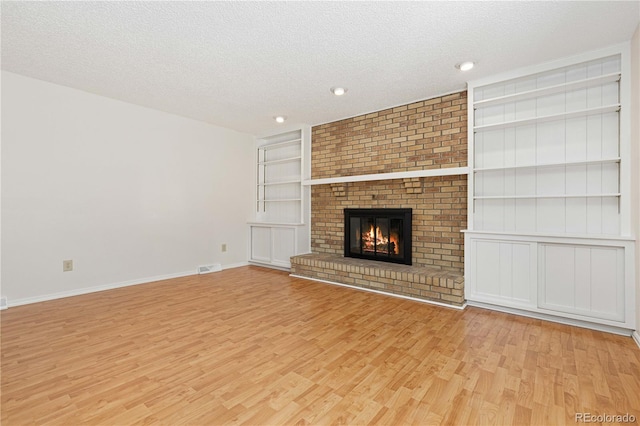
[378,234]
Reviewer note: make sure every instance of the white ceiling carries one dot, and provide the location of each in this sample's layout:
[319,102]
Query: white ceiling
[238,64]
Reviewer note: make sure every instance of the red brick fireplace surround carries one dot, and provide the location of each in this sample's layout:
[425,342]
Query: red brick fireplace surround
[425,135]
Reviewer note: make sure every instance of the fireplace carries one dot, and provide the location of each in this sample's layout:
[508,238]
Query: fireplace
[378,234]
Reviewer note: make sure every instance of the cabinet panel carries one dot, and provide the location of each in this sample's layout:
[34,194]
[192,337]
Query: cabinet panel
[261,244]
[284,245]
[273,245]
[487,266]
[503,271]
[582,280]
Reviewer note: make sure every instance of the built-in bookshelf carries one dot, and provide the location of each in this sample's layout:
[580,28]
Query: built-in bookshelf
[549,191]
[279,179]
[280,228]
[547,151]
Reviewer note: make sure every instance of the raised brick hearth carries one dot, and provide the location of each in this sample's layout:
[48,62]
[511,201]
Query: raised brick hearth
[432,284]
[425,135]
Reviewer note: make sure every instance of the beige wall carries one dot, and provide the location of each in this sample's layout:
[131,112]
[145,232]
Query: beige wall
[128,193]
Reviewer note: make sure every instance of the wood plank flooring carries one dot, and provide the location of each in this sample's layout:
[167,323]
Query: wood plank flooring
[255,346]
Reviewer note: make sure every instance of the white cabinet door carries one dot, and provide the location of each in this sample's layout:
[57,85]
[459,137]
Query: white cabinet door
[582,280]
[273,244]
[284,246]
[503,272]
[261,244]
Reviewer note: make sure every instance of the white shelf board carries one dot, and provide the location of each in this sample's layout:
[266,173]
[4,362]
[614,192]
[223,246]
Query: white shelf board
[546,118]
[551,90]
[268,146]
[566,163]
[279,200]
[451,171]
[282,160]
[274,224]
[284,182]
[511,197]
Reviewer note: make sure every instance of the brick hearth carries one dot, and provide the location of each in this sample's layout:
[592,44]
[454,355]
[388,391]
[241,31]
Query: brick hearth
[432,284]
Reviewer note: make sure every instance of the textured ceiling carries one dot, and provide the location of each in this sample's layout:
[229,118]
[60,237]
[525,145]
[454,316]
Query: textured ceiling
[238,64]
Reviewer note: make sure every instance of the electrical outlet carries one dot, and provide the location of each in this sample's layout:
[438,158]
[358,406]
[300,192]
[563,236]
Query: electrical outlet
[67,265]
[224,247]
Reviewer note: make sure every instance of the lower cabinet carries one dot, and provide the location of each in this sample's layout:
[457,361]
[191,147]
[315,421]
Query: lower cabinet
[504,272]
[582,280]
[274,244]
[587,280]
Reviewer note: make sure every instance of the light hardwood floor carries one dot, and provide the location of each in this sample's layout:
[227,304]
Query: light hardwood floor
[255,346]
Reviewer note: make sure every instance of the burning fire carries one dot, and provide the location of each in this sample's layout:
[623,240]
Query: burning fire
[375,239]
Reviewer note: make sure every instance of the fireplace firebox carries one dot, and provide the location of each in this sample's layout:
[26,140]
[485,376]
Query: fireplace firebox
[378,234]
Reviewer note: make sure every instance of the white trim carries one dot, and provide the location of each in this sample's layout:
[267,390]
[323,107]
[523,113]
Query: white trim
[268,264]
[274,224]
[636,337]
[370,290]
[235,265]
[552,318]
[450,171]
[88,290]
[563,237]
[279,131]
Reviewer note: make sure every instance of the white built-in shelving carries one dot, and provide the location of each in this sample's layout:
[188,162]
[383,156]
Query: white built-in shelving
[280,227]
[279,177]
[549,191]
[550,136]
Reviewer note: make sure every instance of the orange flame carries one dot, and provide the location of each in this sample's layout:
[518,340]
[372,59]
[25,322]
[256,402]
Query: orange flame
[375,238]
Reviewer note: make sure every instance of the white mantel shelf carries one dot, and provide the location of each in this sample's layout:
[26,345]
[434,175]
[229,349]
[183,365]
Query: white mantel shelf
[451,171]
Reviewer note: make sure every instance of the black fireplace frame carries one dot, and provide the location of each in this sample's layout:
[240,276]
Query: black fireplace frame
[404,214]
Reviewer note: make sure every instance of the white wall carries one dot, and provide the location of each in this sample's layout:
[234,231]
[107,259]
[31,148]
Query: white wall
[129,193]
[635,154]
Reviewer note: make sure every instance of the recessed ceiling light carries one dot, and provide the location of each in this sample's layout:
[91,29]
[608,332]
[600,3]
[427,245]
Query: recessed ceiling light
[465,66]
[280,118]
[338,91]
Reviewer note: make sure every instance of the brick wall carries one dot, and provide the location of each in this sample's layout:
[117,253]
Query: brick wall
[423,135]
[439,213]
[428,134]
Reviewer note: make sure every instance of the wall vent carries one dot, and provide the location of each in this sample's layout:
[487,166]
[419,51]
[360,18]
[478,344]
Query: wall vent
[205,269]
[3,303]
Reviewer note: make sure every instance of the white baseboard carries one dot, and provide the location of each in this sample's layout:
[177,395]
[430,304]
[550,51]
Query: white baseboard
[552,318]
[270,265]
[636,337]
[235,265]
[87,290]
[370,290]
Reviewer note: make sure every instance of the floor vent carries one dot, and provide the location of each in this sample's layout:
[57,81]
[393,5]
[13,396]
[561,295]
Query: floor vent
[205,269]
[3,303]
